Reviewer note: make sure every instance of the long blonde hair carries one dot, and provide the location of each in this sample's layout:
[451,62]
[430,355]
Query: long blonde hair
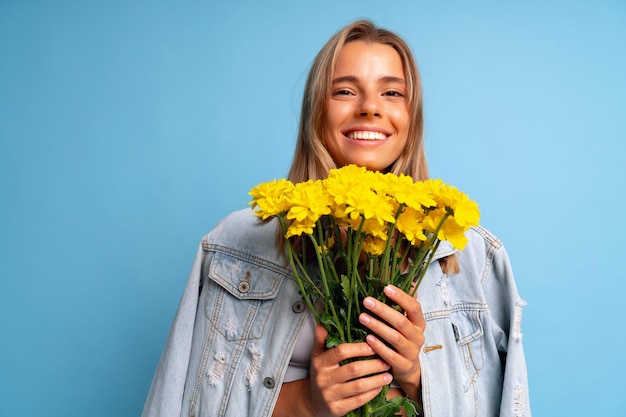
[311,158]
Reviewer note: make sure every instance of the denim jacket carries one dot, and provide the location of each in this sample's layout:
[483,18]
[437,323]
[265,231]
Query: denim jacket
[240,315]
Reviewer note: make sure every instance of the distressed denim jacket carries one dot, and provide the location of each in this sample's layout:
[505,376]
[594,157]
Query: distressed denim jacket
[240,315]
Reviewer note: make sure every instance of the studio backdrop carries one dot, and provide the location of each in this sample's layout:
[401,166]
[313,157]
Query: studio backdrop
[129,128]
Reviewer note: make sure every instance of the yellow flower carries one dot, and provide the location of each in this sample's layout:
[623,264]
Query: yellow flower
[421,195]
[373,227]
[449,230]
[364,202]
[353,190]
[374,246]
[465,211]
[409,223]
[405,191]
[341,181]
[298,227]
[269,198]
[308,202]
[433,218]
[453,233]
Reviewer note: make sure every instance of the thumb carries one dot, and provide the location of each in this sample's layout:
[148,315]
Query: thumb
[319,346]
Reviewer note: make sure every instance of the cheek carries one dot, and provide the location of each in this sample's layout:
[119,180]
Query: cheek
[401,120]
[333,118]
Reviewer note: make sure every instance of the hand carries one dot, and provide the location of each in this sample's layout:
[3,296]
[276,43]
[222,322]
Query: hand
[405,334]
[336,389]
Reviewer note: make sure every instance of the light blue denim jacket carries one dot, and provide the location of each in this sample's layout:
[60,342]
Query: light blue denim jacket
[240,315]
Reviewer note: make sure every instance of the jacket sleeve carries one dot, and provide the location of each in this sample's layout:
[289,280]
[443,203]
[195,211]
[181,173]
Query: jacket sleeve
[506,308]
[166,392]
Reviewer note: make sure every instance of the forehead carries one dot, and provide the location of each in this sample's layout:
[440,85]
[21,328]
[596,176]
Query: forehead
[368,59]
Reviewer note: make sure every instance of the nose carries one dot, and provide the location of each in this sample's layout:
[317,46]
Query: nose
[370,107]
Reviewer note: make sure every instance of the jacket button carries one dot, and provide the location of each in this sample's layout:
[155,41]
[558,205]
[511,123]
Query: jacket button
[298,306]
[269,382]
[244,286]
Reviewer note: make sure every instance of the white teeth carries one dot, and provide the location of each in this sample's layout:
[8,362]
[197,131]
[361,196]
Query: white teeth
[367,135]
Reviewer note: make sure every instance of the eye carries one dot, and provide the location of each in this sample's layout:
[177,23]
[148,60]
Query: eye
[394,93]
[342,92]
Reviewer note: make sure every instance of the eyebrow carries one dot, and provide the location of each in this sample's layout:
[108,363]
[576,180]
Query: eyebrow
[353,79]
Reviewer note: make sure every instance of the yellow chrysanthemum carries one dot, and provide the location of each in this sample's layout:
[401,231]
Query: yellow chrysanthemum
[432,219]
[374,246]
[453,233]
[449,231]
[420,195]
[374,228]
[269,198]
[308,201]
[366,203]
[354,194]
[464,210]
[405,191]
[299,227]
[341,181]
[432,187]
[409,223]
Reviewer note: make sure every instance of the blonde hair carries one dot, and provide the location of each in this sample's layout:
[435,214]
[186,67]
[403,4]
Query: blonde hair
[311,158]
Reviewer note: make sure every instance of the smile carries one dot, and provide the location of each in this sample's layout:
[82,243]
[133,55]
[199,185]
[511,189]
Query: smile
[366,135]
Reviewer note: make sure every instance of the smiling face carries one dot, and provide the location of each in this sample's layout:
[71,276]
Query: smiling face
[368,117]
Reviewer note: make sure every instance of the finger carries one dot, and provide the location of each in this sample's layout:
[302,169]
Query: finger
[413,315]
[362,368]
[351,402]
[355,388]
[404,336]
[319,343]
[332,358]
[388,354]
[347,351]
[393,327]
[372,383]
[383,317]
[409,304]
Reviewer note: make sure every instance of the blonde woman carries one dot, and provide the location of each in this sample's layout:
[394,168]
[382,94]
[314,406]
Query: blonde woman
[242,343]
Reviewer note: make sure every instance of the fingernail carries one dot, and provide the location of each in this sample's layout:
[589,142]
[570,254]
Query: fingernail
[368,302]
[388,378]
[389,290]
[364,318]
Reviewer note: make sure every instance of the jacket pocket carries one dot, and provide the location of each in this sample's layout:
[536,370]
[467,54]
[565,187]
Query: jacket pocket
[468,332]
[237,304]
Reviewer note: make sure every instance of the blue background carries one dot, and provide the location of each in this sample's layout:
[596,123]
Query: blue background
[128,128]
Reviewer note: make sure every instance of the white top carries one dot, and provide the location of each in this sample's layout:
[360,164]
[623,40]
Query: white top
[301,358]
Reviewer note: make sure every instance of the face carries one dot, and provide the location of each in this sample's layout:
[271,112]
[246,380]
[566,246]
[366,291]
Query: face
[368,118]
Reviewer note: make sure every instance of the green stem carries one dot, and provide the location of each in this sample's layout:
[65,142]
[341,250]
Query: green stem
[292,262]
[418,269]
[351,267]
[327,301]
[422,272]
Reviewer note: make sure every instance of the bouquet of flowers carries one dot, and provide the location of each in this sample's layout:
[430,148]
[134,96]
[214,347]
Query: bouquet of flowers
[362,230]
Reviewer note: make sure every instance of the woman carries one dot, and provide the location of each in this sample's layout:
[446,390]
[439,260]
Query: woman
[243,345]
